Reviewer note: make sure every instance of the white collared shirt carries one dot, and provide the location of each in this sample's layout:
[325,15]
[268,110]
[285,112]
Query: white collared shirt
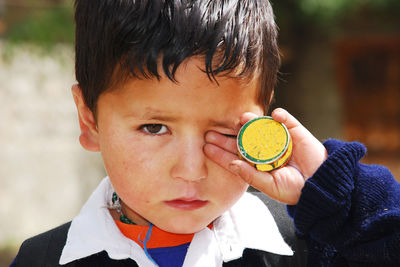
[248,224]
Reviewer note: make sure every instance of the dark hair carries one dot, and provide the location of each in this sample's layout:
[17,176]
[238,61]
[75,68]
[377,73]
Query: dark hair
[117,39]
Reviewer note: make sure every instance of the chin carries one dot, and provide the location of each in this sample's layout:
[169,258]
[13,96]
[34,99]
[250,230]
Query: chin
[185,227]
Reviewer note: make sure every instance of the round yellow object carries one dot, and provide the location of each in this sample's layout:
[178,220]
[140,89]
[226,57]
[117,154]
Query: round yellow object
[279,163]
[265,143]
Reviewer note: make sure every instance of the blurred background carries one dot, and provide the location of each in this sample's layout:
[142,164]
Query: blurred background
[340,77]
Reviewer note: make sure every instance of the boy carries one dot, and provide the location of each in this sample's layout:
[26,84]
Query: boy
[164,87]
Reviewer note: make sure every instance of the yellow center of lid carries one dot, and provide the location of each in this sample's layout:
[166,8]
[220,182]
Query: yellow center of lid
[265,139]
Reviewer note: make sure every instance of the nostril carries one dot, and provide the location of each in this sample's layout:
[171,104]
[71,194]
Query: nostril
[191,173]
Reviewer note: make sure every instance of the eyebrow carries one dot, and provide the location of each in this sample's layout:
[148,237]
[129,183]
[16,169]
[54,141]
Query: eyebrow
[155,114]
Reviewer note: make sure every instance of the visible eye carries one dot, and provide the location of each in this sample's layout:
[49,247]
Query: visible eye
[156,129]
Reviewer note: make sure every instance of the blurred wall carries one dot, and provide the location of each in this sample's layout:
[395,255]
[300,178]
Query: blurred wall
[45,176]
[311,88]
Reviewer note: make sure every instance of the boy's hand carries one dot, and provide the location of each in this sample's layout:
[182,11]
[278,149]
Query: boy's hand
[283,184]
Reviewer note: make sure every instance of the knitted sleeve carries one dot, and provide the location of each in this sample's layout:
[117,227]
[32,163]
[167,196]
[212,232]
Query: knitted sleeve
[352,207]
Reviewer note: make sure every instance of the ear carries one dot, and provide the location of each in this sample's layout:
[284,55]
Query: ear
[89,137]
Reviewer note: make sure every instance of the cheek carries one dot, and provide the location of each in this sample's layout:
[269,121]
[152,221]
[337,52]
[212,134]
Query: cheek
[130,164]
[134,178]
[237,186]
[227,187]
[122,151]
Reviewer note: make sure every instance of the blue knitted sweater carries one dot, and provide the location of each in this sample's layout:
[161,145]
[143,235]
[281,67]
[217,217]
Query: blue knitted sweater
[349,212]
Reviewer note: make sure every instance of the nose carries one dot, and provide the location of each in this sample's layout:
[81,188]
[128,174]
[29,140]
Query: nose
[190,163]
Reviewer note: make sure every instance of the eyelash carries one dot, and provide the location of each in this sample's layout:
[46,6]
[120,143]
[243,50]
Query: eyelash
[145,128]
[165,130]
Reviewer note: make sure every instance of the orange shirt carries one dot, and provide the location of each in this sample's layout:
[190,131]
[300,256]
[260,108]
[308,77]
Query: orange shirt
[158,239]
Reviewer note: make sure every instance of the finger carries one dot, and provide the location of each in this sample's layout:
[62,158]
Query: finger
[308,152]
[295,128]
[262,181]
[227,143]
[219,155]
[282,116]
[247,117]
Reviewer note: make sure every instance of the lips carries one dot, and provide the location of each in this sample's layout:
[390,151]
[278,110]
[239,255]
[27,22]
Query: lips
[186,204]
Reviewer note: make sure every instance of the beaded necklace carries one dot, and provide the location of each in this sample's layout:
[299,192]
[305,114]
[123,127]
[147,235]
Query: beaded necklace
[117,206]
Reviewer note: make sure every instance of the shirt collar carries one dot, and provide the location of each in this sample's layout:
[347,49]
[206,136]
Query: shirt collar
[94,230]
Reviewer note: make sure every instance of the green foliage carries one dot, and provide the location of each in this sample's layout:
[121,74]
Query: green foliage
[333,8]
[324,8]
[295,17]
[328,11]
[44,27]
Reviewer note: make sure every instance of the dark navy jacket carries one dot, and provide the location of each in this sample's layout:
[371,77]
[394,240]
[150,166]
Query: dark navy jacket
[45,249]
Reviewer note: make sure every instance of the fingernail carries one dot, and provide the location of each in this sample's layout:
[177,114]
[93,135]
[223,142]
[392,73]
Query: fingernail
[234,168]
[277,112]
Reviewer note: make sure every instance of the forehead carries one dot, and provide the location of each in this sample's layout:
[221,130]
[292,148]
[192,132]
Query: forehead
[194,66]
[193,94]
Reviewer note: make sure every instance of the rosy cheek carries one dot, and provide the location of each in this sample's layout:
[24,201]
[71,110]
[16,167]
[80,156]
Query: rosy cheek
[235,185]
[132,155]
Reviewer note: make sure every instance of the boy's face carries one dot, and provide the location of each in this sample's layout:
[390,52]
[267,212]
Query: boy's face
[151,137]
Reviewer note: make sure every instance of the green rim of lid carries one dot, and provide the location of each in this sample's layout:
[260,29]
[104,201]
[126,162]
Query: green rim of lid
[252,158]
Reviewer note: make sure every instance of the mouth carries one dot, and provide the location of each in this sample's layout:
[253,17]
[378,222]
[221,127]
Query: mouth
[186,204]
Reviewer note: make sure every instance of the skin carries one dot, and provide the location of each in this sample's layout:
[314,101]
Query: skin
[283,184]
[164,142]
